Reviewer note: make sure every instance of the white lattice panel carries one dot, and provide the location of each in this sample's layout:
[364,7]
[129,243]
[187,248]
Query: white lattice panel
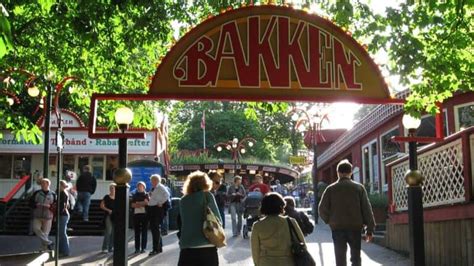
[443,171]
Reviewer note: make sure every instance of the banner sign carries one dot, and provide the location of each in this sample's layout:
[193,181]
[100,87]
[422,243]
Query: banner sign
[268,52]
[297,159]
[78,142]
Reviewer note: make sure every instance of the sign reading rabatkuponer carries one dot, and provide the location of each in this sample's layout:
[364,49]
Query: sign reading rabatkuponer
[271,53]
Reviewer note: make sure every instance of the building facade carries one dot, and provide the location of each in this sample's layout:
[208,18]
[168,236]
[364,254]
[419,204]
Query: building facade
[20,157]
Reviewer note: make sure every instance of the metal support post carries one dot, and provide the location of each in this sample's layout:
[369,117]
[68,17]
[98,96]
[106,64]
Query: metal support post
[121,211]
[47,129]
[415,213]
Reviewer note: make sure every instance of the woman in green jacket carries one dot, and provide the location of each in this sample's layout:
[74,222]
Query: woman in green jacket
[196,250]
[270,238]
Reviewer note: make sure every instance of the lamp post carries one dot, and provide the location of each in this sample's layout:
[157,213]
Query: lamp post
[33,91]
[123,117]
[303,122]
[236,147]
[414,180]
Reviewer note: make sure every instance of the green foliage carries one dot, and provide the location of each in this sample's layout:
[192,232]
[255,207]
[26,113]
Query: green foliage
[378,200]
[113,46]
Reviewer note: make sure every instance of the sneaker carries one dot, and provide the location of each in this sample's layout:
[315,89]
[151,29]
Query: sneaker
[104,251]
[85,219]
[143,251]
[137,251]
[50,246]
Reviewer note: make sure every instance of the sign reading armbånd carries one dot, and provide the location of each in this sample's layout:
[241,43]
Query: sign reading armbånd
[269,53]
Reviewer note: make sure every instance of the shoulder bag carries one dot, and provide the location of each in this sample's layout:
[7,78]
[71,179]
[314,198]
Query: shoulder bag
[212,228]
[301,256]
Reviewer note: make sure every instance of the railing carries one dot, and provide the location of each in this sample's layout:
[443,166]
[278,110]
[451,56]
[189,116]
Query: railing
[378,116]
[446,168]
[24,181]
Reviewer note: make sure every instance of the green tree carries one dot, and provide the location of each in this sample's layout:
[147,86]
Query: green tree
[113,46]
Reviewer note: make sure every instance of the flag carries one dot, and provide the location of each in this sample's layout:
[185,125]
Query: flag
[203,120]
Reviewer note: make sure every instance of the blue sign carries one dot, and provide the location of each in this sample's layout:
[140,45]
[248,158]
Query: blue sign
[141,171]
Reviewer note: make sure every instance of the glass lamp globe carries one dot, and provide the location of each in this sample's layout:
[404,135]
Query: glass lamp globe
[410,122]
[295,117]
[301,128]
[10,101]
[124,116]
[242,150]
[219,148]
[250,144]
[235,140]
[33,91]
[228,147]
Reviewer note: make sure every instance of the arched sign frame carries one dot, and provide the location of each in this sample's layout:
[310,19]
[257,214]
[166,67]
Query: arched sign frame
[191,70]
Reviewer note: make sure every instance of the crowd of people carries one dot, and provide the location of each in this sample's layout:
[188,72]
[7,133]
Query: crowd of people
[343,205]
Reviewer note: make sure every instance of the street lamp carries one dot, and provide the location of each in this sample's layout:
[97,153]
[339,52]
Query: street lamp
[414,180]
[312,125]
[236,147]
[123,117]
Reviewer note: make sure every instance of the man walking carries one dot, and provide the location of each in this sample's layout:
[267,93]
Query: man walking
[42,202]
[158,197]
[346,208]
[85,186]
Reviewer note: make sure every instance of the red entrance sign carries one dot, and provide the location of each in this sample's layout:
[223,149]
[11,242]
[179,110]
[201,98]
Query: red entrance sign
[271,53]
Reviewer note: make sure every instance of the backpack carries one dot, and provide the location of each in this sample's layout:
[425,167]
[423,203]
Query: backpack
[307,226]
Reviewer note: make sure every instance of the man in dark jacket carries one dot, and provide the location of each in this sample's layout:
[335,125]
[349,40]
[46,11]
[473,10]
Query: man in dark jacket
[346,208]
[85,186]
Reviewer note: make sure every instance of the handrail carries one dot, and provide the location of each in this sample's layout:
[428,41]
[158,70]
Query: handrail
[15,189]
[3,218]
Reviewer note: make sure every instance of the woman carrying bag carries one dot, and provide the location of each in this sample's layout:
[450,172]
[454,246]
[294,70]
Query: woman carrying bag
[271,239]
[195,248]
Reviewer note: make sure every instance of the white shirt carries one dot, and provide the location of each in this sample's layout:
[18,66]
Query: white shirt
[158,195]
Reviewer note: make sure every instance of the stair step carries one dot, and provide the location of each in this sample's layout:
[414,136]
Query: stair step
[18,221]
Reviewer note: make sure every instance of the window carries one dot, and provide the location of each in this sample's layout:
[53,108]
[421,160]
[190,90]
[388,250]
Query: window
[427,127]
[112,165]
[389,147]
[22,166]
[68,162]
[370,164]
[98,167]
[464,116]
[6,169]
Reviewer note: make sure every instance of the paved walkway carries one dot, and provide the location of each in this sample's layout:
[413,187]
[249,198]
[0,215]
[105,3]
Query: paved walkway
[86,250]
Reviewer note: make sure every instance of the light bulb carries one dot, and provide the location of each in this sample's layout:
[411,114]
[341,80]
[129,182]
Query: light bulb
[250,144]
[33,91]
[219,148]
[242,150]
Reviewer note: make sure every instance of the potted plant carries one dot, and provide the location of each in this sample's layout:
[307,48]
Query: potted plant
[379,202]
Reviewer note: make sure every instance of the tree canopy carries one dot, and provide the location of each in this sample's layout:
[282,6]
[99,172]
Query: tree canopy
[113,46]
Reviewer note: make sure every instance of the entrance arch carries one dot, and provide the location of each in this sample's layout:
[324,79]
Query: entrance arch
[262,53]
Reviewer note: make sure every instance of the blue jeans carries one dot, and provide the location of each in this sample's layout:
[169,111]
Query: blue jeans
[343,237]
[236,215]
[63,238]
[108,243]
[222,213]
[83,203]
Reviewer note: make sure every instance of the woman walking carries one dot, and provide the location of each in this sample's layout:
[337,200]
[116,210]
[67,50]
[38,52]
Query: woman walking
[196,250]
[107,205]
[271,236]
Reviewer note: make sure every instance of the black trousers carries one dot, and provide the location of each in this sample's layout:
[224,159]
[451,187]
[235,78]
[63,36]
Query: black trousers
[343,237]
[155,215]
[140,226]
[198,257]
